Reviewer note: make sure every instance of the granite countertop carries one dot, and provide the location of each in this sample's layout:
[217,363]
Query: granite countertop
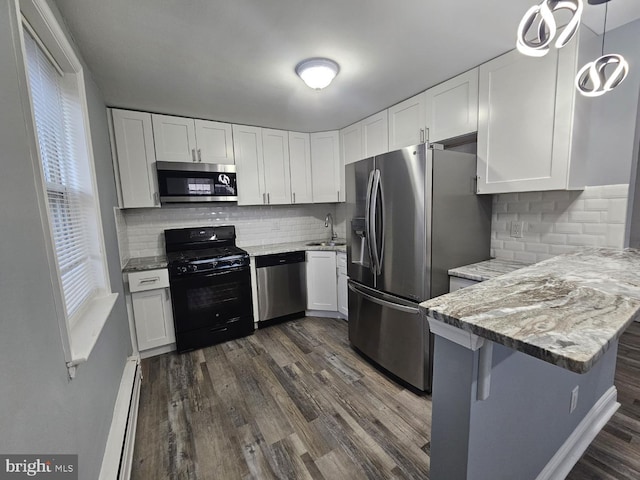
[486,270]
[566,310]
[291,247]
[141,264]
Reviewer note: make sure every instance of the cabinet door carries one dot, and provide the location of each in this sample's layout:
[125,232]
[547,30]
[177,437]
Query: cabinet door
[452,107]
[516,126]
[175,138]
[326,168]
[343,295]
[407,123]
[135,159]
[247,145]
[351,143]
[277,177]
[300,167]
[215,142]
[321,281]
[375,135]
[153,318]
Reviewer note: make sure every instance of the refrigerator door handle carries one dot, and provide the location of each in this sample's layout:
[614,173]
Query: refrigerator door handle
[384,303]
[382,225]
[376,250]
[367,221]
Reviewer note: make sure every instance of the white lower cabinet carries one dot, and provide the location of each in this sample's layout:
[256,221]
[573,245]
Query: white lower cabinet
[322,292]
[151,302]
[343,302]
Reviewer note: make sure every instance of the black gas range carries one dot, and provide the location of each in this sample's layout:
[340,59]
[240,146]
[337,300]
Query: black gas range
[210,286]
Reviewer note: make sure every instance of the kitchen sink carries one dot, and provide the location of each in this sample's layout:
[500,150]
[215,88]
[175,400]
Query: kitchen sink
[332,243]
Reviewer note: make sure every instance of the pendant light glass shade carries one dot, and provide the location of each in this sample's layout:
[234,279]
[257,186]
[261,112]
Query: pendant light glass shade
[317,73]
[547,28]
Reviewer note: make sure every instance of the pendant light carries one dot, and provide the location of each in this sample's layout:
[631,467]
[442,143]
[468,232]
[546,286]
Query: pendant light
[591,80]
[547,27]
[317,73]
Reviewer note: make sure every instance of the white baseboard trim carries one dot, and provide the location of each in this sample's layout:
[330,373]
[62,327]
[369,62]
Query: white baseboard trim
[118,454]
[568,455]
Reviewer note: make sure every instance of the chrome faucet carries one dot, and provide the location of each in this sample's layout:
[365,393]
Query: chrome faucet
[327,219]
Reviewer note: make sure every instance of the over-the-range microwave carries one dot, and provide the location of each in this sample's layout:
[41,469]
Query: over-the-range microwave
[180,182]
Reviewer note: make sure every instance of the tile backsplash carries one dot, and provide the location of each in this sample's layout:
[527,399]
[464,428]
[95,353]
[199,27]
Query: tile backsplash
[255,225]
[558,222]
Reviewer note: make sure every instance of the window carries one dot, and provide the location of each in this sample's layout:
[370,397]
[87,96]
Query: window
[59,113]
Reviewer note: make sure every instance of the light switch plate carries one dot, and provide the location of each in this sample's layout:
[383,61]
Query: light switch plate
[516,229]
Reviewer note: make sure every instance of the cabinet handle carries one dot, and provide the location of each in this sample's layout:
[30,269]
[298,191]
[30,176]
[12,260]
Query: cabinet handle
[268,198]
[156,198]
[264,198]
[294,197]
[426,138]
[193,154]
[199,155]
[338,195]
[422,135]
[149,280]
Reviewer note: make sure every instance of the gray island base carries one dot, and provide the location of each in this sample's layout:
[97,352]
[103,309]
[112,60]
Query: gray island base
[524,365]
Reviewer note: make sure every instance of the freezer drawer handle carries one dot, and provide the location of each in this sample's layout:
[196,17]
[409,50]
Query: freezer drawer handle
[384,303]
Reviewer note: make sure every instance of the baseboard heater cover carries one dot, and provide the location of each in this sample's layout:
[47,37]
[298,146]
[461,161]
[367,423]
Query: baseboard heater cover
[118,455]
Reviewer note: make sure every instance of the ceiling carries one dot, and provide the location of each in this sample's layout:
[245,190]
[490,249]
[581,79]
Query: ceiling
[234,61]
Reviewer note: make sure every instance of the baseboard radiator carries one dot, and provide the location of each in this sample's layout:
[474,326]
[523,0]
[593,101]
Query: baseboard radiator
[118,455]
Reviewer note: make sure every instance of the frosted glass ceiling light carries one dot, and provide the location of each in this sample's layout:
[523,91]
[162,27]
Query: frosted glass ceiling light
[547,27]
[592,80]
[317,73]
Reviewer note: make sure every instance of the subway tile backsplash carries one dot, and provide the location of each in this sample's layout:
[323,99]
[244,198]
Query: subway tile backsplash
[558,222]
[255,225]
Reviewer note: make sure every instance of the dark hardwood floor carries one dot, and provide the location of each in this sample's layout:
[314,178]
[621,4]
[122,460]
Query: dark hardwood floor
[294,401]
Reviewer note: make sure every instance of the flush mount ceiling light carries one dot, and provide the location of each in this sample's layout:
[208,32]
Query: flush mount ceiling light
[547,27]
[317,73]
[591,80]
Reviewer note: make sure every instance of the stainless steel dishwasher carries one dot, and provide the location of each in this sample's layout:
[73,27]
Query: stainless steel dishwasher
[282,291]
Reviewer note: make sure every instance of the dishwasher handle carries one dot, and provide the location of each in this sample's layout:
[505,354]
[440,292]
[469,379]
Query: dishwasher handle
[279,259]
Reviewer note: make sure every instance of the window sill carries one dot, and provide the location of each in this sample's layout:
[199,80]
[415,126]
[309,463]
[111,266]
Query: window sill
[84,334]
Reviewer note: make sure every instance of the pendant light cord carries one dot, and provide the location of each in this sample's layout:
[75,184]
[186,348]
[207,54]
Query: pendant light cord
[604,32]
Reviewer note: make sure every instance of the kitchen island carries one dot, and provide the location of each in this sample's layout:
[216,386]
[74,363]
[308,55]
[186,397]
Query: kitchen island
[524,365]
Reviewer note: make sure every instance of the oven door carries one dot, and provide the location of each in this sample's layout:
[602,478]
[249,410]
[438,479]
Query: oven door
[211,300]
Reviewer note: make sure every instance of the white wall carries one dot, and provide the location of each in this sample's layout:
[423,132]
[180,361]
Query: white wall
[41,410]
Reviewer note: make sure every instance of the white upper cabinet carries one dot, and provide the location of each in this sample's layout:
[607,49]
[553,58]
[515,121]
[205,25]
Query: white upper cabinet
[277,177]
[134,159]
[529,129]
[351,143]
[179,139]
[326,167]
[300,167]
[375,135]
[175,138]
[215,142]
[247,144]
[407,122]
[452,107]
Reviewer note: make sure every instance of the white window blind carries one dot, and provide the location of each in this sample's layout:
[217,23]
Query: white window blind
[67,175]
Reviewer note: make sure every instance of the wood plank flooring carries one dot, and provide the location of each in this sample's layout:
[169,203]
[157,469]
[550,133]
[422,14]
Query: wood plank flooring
[294,401]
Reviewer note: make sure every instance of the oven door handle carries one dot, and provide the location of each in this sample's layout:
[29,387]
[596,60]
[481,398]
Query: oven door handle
[192,276]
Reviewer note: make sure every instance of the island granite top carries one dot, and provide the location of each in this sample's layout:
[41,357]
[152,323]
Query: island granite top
[486,270]
[566,310]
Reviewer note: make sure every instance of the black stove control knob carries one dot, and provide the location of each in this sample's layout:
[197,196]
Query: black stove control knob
[182,269]
[193,268]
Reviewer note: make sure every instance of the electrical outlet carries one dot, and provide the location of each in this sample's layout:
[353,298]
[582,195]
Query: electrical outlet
[574,399]
[516,229]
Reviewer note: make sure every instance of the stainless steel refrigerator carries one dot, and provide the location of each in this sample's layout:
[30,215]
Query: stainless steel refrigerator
[412,214]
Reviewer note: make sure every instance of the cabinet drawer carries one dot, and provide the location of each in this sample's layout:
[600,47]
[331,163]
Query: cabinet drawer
[341,261]
[148,280]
